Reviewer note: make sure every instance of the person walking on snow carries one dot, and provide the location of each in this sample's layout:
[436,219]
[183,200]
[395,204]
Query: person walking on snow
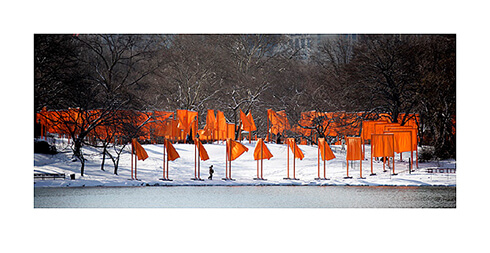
[211,171]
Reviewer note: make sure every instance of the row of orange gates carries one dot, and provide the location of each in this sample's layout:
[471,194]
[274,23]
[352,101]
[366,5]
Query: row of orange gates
[150,125]
[234,150]
[159,125]
[386,140]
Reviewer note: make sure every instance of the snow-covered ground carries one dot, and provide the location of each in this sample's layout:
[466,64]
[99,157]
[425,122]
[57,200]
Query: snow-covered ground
[244,168]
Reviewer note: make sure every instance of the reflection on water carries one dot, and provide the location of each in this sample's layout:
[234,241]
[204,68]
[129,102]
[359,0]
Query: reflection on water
[249,197]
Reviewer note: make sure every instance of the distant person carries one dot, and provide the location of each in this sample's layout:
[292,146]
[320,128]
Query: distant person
[278,139]
[211,171]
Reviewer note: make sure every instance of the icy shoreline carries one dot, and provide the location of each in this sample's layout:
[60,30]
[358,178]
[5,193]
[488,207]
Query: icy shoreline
[217,185]
[82,183]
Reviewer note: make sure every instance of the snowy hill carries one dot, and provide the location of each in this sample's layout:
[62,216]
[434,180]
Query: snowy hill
[244,168]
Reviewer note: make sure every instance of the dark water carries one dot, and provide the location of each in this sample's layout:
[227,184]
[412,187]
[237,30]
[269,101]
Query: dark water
[248,197]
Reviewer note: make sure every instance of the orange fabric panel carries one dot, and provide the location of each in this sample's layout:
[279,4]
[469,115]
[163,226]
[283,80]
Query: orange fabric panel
[368,128]
[295,149]
[139,118]
[175,129]
[325,150]
[187,121]
[203,134]
[193,122]
[50,122]
[379,128]
[63,122]
[158,127]
[333,123]
[382,145]
[171,152]
[278,120]
[411,129]
[221,126]
[261,151]
[354,148]
[306,120]
[210,122]
[170,130]
[246,124]
[162,115]
[282,119]
[161,118]
[349,123]
[203,154]
[412,118]
[270,118]
[300,130]
[162,128]
[74,115]
[333,129]
[182,124]
[182,116]
[386,126]
[103,132]
[237,149]
[56,125]
[231,131]
[252,123]
[403,140]
[42,116]
[139,150]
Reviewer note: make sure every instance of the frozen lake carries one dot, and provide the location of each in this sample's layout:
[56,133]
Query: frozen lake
[247,197]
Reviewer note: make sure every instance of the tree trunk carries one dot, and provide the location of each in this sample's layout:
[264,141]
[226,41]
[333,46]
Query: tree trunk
[82,169]
[116,166]
[78,152]
[103,157]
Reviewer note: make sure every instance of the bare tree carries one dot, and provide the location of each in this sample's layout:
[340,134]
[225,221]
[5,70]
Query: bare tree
[193,76]
[78,123]
[57,72]
[334,90]
[112,67]
[438,90]
[388,66]
[254,60]
[126,127]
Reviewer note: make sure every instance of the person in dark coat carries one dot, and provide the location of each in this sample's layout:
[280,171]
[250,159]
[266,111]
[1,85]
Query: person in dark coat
[278,140]
[211,171]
